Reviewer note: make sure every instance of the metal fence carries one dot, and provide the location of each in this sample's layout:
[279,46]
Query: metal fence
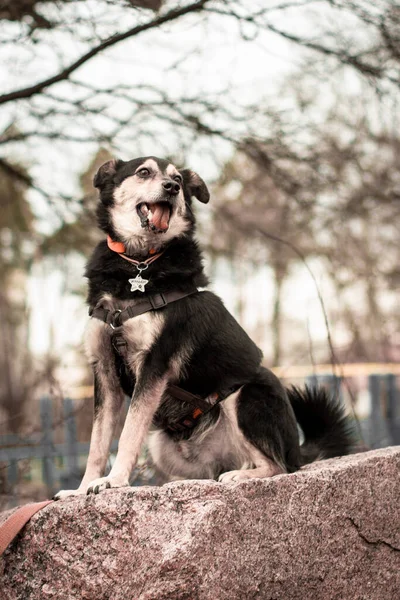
[380,420]
[62,463]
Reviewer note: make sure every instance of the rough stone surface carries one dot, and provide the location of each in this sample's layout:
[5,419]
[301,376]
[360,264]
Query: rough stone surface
[331,530]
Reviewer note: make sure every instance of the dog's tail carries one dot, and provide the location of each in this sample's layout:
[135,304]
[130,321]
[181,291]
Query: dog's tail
[328,432]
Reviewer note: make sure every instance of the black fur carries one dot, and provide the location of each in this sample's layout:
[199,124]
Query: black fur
[266,418]
[177,269]
[327,430]
[223,356]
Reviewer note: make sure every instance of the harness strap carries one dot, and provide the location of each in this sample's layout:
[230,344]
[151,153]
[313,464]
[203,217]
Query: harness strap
[190,398]
[117,318]
[201,407]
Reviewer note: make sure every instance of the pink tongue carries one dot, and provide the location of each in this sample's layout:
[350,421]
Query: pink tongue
[160,216]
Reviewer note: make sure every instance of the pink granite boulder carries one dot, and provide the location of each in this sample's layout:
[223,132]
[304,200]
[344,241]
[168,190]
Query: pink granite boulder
[330,531]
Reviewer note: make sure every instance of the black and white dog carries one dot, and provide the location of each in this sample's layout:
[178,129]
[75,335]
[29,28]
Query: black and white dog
[192,372]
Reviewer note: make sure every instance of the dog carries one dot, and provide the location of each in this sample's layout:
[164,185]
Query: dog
[193,374]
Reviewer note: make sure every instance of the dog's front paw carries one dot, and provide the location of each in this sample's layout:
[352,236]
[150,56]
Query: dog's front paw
[68,493]
[104,483]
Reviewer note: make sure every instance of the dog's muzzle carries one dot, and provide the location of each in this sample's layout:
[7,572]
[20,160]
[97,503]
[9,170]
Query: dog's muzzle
[156,216]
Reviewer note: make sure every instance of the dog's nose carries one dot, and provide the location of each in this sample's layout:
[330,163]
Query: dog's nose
[172,187]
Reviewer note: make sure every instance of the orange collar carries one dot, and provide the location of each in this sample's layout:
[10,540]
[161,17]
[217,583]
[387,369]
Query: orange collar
[120,249]
[115,246]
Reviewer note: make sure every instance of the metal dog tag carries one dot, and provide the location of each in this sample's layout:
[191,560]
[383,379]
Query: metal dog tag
[138,283]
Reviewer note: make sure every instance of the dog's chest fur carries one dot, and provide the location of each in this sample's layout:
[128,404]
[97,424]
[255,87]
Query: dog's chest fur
[140,334]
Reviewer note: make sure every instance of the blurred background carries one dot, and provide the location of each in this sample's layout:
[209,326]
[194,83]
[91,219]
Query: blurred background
[289,109]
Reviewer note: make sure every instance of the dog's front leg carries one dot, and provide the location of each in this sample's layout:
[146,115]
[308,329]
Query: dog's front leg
[108,399]
[145,401]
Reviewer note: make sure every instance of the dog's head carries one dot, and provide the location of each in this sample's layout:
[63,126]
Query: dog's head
[147,201]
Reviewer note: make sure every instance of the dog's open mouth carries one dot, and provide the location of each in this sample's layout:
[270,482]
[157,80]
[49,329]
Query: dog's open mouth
[155,216]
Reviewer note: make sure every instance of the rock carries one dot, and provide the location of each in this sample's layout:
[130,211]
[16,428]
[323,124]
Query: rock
[331,530]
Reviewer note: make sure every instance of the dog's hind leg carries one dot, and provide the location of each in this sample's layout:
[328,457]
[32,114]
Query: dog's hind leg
[266,430]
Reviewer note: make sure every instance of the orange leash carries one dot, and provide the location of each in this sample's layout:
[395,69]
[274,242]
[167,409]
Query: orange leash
[15,522]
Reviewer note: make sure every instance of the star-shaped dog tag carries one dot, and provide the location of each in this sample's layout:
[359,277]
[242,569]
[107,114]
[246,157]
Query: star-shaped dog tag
[138,283]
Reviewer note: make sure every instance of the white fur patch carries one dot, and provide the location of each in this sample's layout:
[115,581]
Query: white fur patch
[141,333]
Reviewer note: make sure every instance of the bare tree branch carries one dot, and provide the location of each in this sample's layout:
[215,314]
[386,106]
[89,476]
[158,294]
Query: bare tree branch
[32,90]
[16,173]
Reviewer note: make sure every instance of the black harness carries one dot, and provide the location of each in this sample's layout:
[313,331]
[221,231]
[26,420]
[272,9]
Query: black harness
[116,319]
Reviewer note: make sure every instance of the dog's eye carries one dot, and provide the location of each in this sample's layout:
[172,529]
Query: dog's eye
[143,172]
[178,178]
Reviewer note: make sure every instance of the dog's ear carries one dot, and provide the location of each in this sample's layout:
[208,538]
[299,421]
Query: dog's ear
[106,172]
[195,185]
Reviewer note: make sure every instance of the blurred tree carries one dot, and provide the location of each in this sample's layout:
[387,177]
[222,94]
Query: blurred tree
[16,250]
[20,247]
[361,232]
[301,172]
[252,196]
[329,190]
[80,233]
[68,104]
